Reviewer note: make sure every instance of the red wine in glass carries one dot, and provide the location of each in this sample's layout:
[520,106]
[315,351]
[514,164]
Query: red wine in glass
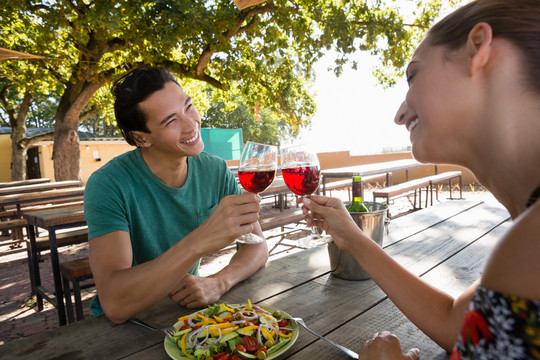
[302,180]
[256,181]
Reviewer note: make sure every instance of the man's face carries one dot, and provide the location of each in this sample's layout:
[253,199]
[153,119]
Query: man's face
[173,122]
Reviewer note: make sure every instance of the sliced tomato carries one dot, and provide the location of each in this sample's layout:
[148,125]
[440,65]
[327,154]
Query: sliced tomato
[284,323]
[184,327]
[236,357]
[218,355]
[263,348]
[241,348]
[251,343]
[223,357]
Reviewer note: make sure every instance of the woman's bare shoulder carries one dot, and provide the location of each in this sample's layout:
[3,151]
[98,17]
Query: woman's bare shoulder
[514,265]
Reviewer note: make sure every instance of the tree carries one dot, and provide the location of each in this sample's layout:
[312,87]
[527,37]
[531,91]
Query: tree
[264,53]
[264,128]
[22,85]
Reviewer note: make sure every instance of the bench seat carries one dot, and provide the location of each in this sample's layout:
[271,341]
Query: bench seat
[75,271]
[347,183]
[403,189]
[62,239]
[443,177]
[16,226]
[281,219]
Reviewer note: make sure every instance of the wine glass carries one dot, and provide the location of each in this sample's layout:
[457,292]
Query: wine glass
[256,171]
[300,170]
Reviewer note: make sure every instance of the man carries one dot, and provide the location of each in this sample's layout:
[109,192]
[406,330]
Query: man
[153,212]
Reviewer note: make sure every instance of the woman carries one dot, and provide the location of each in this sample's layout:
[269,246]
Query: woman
[474,101]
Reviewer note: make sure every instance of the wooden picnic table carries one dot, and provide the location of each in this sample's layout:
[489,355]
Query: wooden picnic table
[20,189]
[51,220]
[372,169]
[23,182]
[427,242]
[42,197]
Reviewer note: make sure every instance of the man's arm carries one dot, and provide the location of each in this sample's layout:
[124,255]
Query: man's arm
[195,292]
[125,290]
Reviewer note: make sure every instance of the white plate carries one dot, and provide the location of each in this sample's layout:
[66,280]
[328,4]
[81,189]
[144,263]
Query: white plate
[175,353]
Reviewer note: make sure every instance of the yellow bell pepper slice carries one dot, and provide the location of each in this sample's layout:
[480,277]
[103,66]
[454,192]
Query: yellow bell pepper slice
[252,327]
[285,335]
[184,318]
[266,334]
[226,307]
[183,346]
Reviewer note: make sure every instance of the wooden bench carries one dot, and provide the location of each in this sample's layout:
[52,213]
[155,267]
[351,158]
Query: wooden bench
[281,219]
[404,189]
[16,226]
[442,177]
[75,271]
[71,237]
[427,183]
[347,183]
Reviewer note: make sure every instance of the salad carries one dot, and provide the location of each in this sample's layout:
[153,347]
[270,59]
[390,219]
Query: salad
[233,332]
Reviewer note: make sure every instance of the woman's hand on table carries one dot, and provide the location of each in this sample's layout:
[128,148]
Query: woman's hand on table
[385,346]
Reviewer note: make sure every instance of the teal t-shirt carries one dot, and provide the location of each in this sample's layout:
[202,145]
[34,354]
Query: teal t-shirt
[125,195]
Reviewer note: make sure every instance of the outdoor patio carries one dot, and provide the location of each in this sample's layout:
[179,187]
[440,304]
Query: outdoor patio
[18,317]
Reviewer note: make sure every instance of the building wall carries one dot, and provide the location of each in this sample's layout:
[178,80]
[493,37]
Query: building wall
[106,150]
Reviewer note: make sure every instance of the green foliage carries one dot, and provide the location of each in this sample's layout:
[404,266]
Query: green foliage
[267,129]
[264,53]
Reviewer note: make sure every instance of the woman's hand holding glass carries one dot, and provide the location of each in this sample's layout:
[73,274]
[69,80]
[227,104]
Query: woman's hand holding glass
[300,169]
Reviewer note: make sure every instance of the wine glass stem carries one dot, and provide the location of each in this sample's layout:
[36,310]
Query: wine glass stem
[314,229]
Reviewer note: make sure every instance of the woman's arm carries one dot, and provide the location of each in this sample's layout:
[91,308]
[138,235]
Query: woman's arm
[436,313]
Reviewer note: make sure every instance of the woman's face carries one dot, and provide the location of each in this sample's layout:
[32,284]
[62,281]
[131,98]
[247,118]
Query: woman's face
[439,104]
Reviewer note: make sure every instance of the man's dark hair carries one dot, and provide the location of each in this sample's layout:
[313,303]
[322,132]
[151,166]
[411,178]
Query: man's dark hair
[130,90]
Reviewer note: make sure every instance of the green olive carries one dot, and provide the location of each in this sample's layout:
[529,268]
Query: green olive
[208,358]
[277,314]
[269,343]
[261,355]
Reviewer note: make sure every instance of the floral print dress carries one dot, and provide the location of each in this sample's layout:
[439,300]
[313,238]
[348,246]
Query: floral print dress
[499,326]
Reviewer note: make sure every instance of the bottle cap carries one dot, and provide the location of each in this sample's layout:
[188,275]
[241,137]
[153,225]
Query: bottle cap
[357,179]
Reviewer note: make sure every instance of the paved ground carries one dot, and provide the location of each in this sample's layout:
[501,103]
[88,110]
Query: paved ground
[18,317]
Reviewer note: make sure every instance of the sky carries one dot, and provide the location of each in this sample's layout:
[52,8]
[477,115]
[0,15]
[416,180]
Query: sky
[354,112]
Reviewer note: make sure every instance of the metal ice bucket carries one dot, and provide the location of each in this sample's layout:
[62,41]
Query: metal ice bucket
[342,264]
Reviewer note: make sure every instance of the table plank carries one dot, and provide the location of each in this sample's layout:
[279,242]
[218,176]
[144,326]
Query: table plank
[421,220]
[456,274]
[39,187]
[23,182]
[56,216]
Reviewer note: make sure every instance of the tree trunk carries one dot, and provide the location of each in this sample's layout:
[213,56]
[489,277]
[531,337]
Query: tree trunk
[66,150]
[18,154]
[18,133]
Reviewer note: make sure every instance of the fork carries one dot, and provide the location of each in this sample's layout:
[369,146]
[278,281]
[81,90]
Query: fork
[351,353]
[169,330]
